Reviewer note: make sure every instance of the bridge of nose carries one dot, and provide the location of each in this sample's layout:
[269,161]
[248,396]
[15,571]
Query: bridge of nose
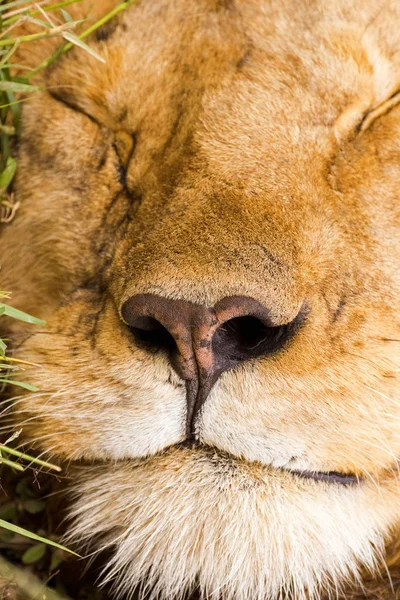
[204,281]
[203,247]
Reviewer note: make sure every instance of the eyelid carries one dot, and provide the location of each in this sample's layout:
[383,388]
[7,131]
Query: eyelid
[70,102]
[123,144]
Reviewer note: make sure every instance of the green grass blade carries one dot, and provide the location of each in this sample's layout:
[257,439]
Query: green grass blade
[26,582]
[11,104]
[8,55]
[78,42]
[9,311]
[33,37]
[31,13]
[28,457]
[51,59]
[22,384]
[13,86]
[12,464]
[33,536]
[7,175]
[10,5]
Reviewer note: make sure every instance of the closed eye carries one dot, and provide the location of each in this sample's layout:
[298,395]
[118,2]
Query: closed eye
[67,98]
[121,147]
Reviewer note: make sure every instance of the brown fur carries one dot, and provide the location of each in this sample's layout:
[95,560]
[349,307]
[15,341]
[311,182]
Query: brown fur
[225,148]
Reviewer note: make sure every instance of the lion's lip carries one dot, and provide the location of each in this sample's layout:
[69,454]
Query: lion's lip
[329,477]
[334,477]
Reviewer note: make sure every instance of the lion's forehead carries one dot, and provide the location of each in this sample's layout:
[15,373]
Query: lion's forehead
[234,82]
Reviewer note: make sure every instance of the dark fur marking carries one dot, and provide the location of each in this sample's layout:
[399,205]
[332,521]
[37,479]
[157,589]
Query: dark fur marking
[102,160]
[244,60]
[339,310]
[174,130]
[90,321]
[223,5]
[135,195]
[334,311]
[96,325]
[29,146]
[112,228]
[110,206]
[105,32]
[123,167]
[122,176]
[122,116]
[357,128]
[271,257]
[78,189]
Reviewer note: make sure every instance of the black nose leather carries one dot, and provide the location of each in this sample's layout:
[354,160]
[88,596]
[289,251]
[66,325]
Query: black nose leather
[204,342]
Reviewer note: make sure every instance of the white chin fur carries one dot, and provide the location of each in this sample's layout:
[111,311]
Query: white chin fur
[191,519]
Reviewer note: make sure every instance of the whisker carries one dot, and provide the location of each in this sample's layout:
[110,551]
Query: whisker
[397,403]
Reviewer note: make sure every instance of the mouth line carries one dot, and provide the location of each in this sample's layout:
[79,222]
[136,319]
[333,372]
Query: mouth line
[346,479]
[332,477]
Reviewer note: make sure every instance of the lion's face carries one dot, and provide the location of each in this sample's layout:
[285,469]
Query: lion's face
[210,227]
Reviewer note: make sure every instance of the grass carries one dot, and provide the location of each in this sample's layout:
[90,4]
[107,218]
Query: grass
[46,19]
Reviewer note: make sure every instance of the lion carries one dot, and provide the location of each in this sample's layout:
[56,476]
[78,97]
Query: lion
[210,226]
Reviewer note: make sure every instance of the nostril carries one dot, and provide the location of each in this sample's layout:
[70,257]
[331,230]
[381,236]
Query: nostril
[151,335]
[242,338]
[145,323]
[202,342]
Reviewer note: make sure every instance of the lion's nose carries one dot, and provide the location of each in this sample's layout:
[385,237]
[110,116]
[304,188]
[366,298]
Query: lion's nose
[203,342]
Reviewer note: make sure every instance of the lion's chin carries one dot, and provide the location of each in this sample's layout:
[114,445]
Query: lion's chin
[192,518]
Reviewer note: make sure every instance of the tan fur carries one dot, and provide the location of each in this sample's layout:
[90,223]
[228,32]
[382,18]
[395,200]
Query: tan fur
[261,142]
